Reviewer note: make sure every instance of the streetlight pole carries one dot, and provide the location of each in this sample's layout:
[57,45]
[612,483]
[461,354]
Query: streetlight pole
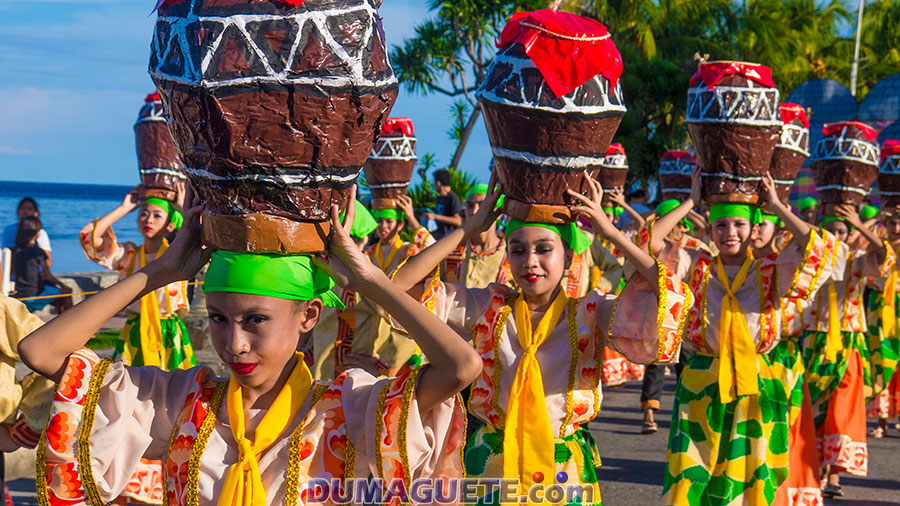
[855,65]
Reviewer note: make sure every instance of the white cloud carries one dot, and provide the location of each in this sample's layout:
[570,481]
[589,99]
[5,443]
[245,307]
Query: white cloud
[9,150]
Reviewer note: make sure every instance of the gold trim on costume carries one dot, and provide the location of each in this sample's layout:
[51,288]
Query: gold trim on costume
[83,443]
[498,333]
[40,471]
[192,484]
[806,252]
[379,426]
[292,474]
[662,304]
[573,367]
[409,389]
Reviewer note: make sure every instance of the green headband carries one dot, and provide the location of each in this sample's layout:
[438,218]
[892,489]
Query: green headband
[388,214]
[164,204]
[770,217]
[482,189]
[666,206]
[828,219]
[291,277]
[734,210]
[868,212]
[363,222]
[571,235]
[807,202]
[478,189]
[176,218]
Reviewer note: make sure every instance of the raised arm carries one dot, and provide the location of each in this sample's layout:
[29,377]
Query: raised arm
[417,267]
[453,363]
[699,222]
[798,228]
[129,203]
[592,209]
[47,349]
[618,198]
[877,244]
[660,228]
[406,205]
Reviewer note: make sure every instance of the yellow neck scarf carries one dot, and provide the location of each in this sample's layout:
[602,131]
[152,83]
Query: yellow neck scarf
[243,484]
[738,371]
[833,342]
[889,305]
[385,264]
[528,436]
[152,347]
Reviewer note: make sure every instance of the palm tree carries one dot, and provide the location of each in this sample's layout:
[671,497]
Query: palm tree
[451,52]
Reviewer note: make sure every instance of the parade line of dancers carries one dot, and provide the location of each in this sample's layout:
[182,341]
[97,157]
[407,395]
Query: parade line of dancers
[463,367]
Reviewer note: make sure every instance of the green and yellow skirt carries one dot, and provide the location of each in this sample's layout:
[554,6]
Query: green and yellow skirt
[576,459]
[735,453]
[824,376]
[884,351]
[179,354]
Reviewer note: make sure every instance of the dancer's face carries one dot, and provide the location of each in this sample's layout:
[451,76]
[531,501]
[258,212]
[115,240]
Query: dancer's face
[763,234]
[892,227]
[256,335]
[388,228]
[840,230]
[732,235]
[153,220]
[473,203]
[809,214]
[538,259]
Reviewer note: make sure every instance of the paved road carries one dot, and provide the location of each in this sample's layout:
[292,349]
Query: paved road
[633,463]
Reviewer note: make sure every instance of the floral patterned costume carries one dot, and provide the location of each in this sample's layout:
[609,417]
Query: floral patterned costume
[569,360]
[838,383]
[721,452]
[172,301]
[106,416]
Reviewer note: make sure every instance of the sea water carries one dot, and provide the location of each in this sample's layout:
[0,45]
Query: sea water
[64,210]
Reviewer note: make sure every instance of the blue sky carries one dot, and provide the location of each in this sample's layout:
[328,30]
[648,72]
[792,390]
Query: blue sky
[73,75]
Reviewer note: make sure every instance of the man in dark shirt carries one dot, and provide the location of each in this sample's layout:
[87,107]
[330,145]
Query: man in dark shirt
[448,210]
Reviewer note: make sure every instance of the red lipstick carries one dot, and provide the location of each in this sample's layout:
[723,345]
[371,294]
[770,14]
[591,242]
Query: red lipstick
[241,369]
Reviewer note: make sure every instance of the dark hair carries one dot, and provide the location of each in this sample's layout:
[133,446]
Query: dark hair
[442,176]
[28,200]
[637,194]
[29,227]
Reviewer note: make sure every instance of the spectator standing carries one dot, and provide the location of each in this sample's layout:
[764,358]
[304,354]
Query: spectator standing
[30,267]
[27,207]
[448,209]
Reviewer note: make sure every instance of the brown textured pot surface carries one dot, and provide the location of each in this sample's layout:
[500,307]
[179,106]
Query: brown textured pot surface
[145,193]
[735,150]
[384,203]
[386,172]
[741,198]
[541,213]
[889,183]
[274,108]
[830,172]
[785,166]
[677,184]
[263,233]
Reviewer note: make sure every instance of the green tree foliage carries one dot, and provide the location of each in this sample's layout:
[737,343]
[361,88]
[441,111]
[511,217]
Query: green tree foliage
[451,52]
[798,39]
[658,40]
